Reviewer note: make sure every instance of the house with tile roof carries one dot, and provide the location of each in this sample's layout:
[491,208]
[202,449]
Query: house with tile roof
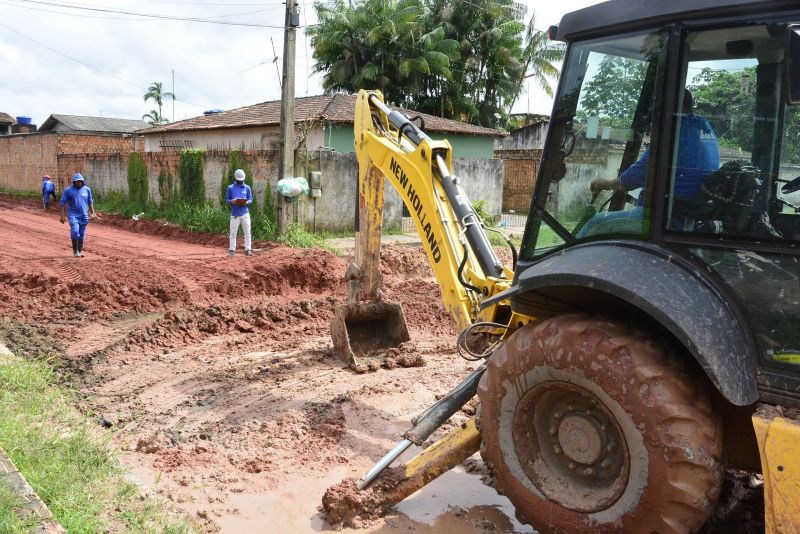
[323,121]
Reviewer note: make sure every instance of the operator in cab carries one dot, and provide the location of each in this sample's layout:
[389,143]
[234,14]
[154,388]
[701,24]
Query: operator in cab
[698,157]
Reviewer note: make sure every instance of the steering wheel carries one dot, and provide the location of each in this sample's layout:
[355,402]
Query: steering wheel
[791,186]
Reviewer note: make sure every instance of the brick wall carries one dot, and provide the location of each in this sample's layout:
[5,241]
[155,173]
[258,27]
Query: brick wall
[24,159]
[521,168]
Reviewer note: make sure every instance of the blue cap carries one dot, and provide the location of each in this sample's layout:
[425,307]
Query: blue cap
[77,176]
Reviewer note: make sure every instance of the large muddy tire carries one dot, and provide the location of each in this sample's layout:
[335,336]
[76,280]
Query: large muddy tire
[589,426]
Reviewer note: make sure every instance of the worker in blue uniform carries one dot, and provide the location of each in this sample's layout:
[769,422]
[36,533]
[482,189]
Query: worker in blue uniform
[697,158]
[77,206]
[239,196]
[48,191]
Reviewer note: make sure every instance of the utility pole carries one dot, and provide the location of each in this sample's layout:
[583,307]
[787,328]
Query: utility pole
[286,157]
[173,95]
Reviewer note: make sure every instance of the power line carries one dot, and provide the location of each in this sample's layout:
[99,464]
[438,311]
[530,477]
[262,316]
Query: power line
[143,15]
[87,65]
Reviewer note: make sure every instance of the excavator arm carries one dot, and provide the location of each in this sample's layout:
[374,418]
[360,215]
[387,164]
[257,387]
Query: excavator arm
[390,145]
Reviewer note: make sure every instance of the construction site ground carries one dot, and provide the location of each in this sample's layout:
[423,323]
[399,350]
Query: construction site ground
[216,374]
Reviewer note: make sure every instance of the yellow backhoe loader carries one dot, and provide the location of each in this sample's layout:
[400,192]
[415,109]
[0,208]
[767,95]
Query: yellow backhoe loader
[648,336]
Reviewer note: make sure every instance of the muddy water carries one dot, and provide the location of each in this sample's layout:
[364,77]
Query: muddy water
[455,503]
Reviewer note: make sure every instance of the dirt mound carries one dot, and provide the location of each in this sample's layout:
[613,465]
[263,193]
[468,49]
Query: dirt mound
[402,260]
[280,321]
[281,270]
[27,340]
[69,291]
[422,305]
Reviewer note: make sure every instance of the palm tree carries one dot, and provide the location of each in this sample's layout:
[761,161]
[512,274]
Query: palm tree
[539,55]
[157,94]
[154,118]
[379,44]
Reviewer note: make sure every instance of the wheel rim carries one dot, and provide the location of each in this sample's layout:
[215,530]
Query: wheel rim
[570,446]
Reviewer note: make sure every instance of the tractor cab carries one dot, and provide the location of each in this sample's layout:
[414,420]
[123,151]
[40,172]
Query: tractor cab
[678,136]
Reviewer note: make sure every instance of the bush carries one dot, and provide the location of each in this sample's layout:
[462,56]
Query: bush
[191,173]
[166,186]
[481,208]
[137,180]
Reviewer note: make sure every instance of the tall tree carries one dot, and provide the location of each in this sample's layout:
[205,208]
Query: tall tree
[539,56]
[460,59]
[156,93]
[154,118]
[378,44]
[614,91]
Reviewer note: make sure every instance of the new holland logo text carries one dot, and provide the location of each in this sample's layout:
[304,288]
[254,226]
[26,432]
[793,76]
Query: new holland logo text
[416,203]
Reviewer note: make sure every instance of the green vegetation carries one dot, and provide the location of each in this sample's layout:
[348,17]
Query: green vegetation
[15,193]
[189,208]
[481,208]
[10,522]
[67,460]
[157,94]
[166,186]
[137,179]
[208,218]
[461,59]
[190,171]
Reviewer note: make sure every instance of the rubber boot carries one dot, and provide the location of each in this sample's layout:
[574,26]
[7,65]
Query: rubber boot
[80,247]
[75,247]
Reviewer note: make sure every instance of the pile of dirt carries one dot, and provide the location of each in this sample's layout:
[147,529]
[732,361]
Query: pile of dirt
[29,341]
[407,354]
[281,321]
[67,292]
[422,305]
[405,261]
[282,270]
[345,504]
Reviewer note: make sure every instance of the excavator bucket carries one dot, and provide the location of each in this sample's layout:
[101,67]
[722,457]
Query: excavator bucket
[359,329]
[367,324]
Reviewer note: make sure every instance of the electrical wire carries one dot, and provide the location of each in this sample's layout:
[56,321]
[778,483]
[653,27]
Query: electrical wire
[19,3]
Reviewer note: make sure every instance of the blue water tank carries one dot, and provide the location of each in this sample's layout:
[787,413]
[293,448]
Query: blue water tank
[23,120]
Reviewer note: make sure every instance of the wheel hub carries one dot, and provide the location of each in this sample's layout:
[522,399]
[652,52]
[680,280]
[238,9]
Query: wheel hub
[570,446]
[580,439]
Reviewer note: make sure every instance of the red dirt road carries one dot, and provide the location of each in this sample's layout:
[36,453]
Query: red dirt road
[218,376]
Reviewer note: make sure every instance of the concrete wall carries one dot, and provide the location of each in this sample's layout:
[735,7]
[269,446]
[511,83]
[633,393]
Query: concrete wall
[334,210]
[482,179]
[526,138]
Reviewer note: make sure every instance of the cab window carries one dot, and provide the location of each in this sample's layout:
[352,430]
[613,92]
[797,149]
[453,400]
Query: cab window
[596,177]
[736,151]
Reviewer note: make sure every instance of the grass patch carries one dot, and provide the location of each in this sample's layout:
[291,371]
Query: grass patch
[10,522]
[67,459]
[24,194]
[210,219]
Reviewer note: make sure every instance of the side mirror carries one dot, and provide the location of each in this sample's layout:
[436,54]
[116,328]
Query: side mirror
[792,60]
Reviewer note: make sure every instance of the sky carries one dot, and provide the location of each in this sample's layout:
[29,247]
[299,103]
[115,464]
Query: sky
[98,57]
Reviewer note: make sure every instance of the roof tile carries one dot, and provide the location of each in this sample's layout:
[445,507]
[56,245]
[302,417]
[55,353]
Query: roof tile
[337,108]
